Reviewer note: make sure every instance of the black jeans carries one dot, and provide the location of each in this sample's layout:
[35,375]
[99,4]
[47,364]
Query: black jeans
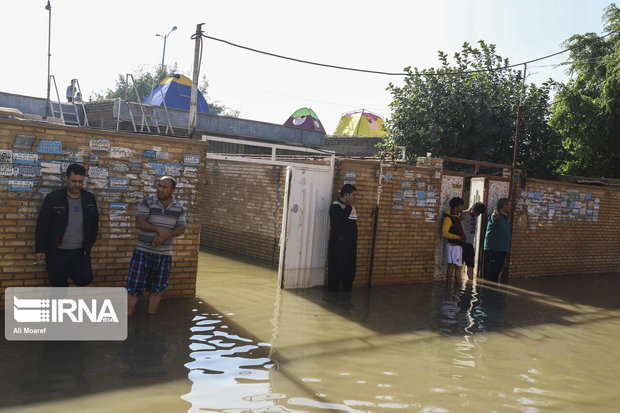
[342,256]
[62,264]
[492,264]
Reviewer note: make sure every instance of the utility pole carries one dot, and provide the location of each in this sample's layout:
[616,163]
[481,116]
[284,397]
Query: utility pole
[193,103]
[512,188]
[519,112]
[48,7]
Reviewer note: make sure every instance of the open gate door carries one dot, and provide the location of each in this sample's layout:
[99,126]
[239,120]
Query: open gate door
[305,227]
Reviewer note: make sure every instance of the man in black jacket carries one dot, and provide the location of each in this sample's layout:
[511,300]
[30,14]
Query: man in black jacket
[66,231]
[342,250]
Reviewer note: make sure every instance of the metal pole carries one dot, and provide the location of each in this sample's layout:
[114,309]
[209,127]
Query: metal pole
[163,56]
[48,7]
[193,105]
[165,37]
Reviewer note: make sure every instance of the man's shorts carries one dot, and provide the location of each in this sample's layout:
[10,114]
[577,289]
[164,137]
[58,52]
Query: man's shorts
[468,255]
[455,254]
[150,270]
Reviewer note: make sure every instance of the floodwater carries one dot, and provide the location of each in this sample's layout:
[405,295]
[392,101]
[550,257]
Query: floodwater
[536,345]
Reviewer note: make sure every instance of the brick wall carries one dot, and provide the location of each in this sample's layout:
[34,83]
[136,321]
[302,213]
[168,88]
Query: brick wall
[121,170]
[243,211]
[561,228]
[406,233]
[243,208]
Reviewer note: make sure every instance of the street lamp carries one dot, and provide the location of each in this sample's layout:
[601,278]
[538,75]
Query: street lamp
[165,36]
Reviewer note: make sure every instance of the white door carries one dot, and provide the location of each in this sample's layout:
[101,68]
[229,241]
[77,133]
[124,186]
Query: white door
[305,227]
[476,194]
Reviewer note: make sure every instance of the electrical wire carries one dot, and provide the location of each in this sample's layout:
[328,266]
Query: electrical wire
[447,73]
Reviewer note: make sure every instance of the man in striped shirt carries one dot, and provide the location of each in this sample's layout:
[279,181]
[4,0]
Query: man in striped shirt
[159,218]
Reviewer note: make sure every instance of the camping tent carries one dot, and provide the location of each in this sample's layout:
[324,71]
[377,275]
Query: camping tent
[305,118]
[177,91]
[360,123]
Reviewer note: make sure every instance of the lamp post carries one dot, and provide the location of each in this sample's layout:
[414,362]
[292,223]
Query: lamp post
[165,36]
[48,7]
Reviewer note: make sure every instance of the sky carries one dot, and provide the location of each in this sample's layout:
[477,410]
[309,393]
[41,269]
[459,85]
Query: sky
[96,41]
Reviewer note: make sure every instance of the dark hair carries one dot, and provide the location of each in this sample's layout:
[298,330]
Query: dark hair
[480,208]
[501,202]
[172,180]
[77,169]
[456,201]
[347,189]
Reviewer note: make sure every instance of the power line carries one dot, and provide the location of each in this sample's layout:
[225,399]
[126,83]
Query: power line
[448,73]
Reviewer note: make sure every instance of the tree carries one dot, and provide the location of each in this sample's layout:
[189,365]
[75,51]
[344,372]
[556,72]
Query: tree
[587,109]
[469,111]
[145,80]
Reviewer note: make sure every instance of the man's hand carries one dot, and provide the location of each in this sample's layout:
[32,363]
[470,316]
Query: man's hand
[158,240]
[348,199]
[495,213]
[39,257]
[164,233]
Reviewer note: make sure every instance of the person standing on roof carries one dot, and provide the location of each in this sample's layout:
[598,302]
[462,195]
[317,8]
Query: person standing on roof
[71,90]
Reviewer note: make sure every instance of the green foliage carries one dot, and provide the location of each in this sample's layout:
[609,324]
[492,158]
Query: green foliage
[473,115]
[587,109]
[146,79]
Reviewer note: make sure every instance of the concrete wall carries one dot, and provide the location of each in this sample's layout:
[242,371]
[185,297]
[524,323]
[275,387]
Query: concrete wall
[352,147]
[121,170]
[103,115]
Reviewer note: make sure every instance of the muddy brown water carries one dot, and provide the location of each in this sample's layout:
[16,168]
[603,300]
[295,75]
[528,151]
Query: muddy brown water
[242,345]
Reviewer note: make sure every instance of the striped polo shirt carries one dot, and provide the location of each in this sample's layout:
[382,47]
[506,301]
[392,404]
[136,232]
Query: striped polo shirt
[171,217]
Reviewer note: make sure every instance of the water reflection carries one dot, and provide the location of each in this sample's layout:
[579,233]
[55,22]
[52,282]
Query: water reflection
[480,347]
[229,372]
[470,308]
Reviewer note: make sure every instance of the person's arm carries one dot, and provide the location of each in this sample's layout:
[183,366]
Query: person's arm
[95,220]
[177,231]
[469,211]
[43,222]
[142,223]
[339,215]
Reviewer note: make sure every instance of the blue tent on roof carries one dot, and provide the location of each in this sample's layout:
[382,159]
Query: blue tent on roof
[177,91]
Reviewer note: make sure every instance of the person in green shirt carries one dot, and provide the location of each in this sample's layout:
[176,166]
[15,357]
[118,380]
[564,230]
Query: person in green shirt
[496,241]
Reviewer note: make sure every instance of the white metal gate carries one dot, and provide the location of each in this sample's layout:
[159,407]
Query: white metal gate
[305,226]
